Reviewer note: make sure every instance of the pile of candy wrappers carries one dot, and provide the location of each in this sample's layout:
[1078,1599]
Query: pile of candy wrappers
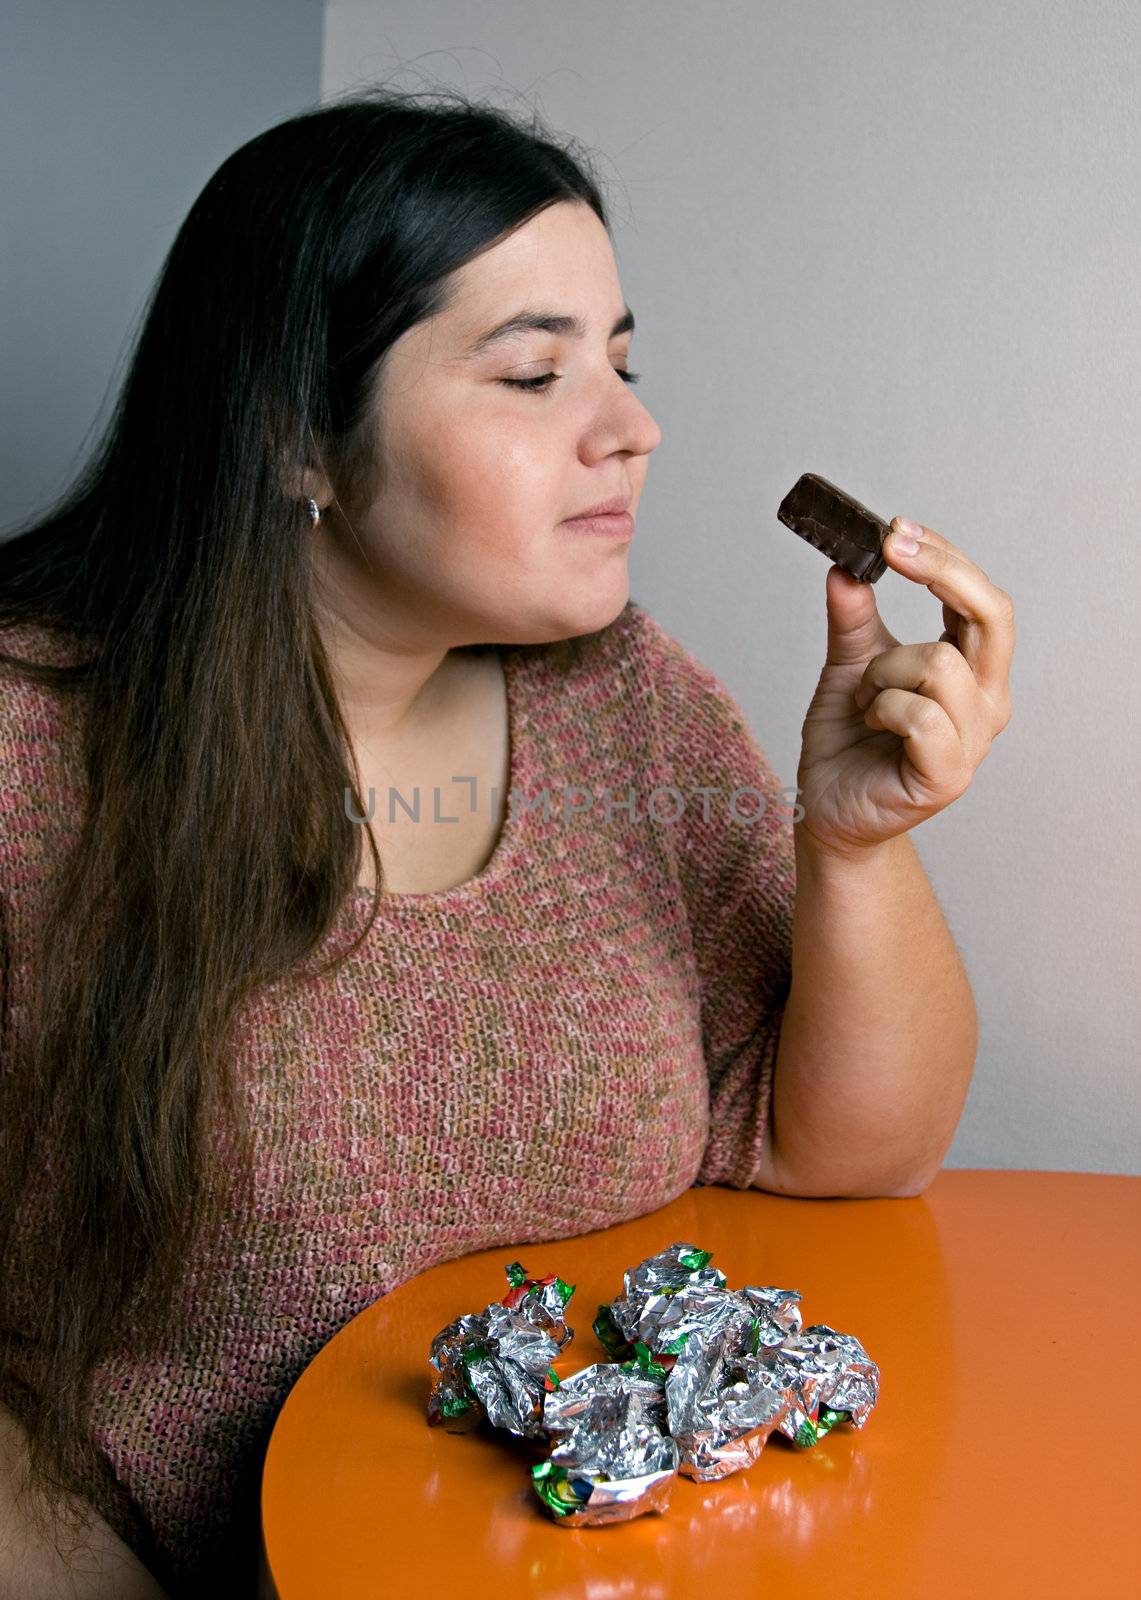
[700,1376]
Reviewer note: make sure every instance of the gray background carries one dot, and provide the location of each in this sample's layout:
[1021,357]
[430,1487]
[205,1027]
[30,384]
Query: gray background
[887,242]
[113,114]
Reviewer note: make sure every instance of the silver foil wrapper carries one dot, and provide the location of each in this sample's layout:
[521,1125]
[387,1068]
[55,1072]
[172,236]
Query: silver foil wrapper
[722,1409]
[650,1286]
[700,1377]
[830,1379]
[614,1461]
[703,1341]
[584,1395]
[497,1363]
[675,1292]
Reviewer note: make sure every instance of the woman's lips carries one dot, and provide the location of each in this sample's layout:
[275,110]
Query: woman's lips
[615,525]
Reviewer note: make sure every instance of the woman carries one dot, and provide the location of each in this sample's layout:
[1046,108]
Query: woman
[297,1005]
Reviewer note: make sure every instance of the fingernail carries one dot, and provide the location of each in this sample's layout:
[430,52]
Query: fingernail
[905,537]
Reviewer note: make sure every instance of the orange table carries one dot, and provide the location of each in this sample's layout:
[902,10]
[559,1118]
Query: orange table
[1003,1458]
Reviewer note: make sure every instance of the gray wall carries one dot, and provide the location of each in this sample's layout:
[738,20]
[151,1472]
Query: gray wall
[113,114]
[896,244]
[887,242]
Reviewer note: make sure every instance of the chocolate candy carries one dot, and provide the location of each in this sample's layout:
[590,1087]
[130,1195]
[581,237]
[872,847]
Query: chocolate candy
[840,527]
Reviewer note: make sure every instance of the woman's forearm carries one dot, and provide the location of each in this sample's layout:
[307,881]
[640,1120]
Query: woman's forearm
[880,1031]
[102,1567]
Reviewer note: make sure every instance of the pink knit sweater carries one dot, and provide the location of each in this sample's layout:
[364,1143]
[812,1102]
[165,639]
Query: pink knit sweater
[566,1041]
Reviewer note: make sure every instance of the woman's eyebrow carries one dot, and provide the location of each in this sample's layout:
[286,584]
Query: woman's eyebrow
[543,322]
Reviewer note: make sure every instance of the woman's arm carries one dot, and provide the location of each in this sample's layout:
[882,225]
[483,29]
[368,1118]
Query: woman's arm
[880,1031]
[879,1035]
[103,1567]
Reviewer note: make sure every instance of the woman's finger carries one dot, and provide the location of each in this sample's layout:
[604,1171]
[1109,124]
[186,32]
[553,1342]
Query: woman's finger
[985,614]
[937,671]
[931,743]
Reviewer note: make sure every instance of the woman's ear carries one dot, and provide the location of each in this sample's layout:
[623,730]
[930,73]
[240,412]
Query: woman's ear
[308,483]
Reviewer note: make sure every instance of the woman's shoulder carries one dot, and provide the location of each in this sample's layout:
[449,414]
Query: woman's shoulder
[38,718]
[37,643]
[25,645]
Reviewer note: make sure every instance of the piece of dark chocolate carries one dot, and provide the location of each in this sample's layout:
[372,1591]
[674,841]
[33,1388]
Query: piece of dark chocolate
[840,527]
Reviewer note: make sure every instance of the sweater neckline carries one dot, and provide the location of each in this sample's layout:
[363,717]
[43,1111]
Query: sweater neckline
[507,844]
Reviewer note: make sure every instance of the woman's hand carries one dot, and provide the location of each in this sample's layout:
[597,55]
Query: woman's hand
[895,732]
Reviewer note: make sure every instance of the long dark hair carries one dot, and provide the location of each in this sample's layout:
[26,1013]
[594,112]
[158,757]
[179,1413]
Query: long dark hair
[178,560]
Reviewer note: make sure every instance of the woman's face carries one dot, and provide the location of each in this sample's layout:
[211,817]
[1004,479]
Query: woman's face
[464,536]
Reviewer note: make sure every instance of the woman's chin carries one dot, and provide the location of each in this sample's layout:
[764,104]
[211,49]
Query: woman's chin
[599,608]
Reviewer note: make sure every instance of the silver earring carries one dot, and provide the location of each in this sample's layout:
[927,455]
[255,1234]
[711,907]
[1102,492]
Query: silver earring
[314,511]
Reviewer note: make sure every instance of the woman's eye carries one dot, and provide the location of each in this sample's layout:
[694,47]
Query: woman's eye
[539,385]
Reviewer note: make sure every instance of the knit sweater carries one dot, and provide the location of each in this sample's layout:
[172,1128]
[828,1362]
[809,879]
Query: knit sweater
[568,1040]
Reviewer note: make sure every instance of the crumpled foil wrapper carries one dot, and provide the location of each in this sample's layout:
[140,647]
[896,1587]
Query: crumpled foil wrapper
[703,1341]
[673,1293]
[830,1379]
[722,1409]
[614,1461]
[496,1363]
[700,1377]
